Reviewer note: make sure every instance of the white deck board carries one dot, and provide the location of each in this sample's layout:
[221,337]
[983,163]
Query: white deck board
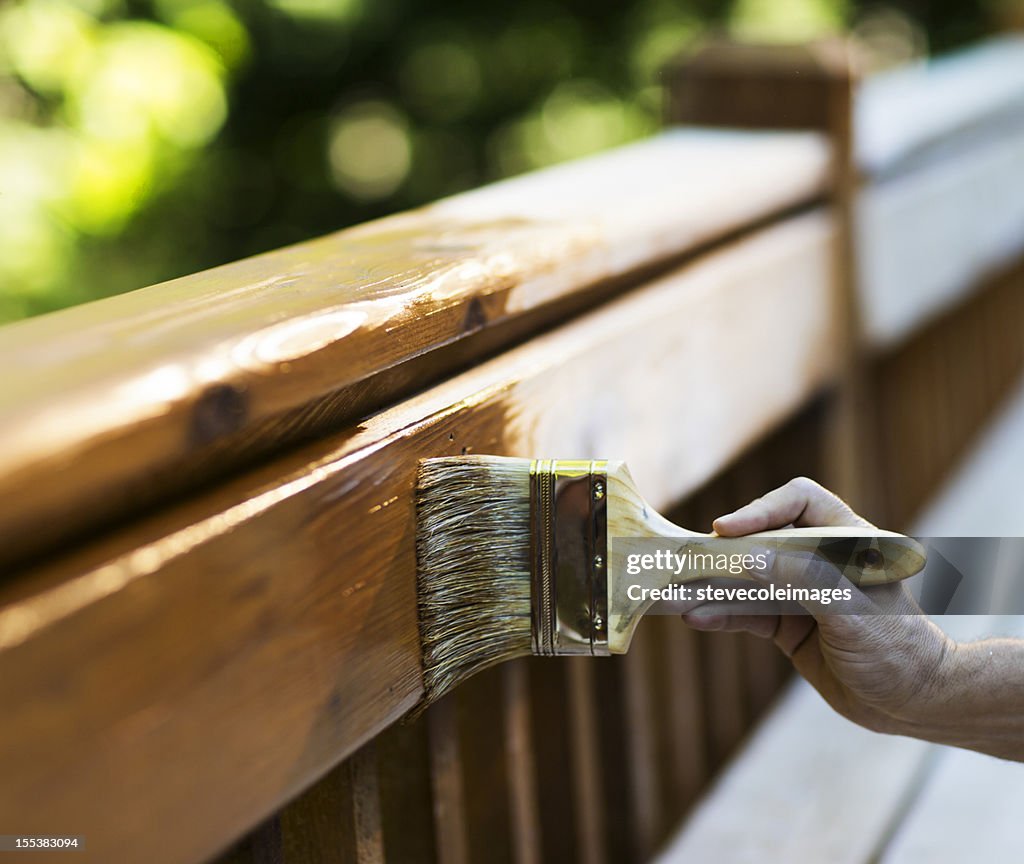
[809,786]
[941,144]
[905,112]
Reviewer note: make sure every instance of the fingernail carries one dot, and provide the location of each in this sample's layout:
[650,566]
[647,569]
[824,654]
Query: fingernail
[702,622]
[717,522]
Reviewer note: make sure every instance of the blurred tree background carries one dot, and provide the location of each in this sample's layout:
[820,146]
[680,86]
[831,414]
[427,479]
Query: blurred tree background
[144,139]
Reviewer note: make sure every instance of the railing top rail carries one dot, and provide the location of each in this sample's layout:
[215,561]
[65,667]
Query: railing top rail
[121,397]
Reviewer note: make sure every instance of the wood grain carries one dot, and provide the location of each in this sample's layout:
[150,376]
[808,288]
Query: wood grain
[300,576]
[123,402]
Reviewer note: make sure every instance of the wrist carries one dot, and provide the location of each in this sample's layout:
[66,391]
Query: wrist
[939,676]
[974,698]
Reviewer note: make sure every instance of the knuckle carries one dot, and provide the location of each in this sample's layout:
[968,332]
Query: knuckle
[805,484]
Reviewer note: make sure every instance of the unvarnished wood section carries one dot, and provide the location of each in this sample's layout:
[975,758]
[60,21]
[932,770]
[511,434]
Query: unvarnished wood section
[928,238]
[300,576]
[119,402]
[941,148]
[921,111]
[938,389]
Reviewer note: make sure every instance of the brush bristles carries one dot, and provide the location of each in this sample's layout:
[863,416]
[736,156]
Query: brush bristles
[473,550]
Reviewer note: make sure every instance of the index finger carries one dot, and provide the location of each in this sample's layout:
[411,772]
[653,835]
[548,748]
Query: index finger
[801,502]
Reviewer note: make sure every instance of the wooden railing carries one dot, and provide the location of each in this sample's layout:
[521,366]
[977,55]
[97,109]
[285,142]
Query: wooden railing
[206,486]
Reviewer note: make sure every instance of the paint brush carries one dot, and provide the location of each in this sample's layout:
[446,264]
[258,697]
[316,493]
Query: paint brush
[514,558]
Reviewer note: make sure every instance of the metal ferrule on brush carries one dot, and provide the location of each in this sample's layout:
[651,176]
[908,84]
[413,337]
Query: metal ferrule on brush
[569,556]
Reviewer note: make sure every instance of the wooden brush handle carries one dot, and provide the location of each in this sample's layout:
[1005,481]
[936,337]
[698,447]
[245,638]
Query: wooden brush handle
[865,556]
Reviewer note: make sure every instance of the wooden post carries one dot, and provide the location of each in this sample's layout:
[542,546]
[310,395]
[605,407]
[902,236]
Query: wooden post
[800,87]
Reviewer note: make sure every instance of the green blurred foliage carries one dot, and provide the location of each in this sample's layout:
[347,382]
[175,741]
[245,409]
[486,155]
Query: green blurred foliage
[145,139]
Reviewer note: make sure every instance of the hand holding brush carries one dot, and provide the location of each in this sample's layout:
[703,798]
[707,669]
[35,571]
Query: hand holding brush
[515,558]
